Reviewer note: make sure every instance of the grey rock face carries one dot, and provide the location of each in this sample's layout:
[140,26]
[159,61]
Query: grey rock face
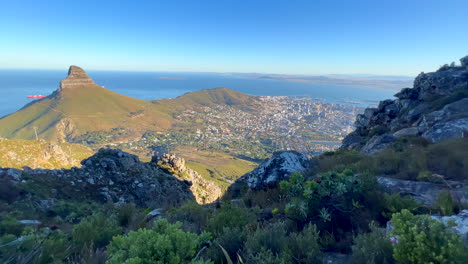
[378,143]
[451,129]
[440,83]
[417,111]
[205,191]
[405,132]
[424,192]
[276,169]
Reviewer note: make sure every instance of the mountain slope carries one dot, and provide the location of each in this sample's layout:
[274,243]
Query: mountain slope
[80,106]
[16,153]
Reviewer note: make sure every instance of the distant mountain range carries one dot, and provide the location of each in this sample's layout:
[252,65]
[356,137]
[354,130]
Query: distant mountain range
[394,83]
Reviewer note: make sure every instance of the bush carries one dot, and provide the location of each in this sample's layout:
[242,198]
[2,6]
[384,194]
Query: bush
[272,244]
[9,225]
[372,248]
[445,203]
[130,217]
[230,216]
[272,238]
[422,239]
[193,216]
[96,230]
[232,240]
[304,246]
[164,243]
[394,203]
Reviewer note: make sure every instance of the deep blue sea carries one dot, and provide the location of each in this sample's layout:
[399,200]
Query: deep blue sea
[15,85]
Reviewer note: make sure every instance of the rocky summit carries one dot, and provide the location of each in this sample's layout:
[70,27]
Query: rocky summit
[436,108]
[76,77]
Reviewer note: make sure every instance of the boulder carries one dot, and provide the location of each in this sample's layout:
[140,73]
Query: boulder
[407,93]
[378,143]
[276,169]
[407,132]
[447,130]
[426,193]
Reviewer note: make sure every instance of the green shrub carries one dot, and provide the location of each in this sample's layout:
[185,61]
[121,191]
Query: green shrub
[372,248]
[445,203]
[130,217]
[304,245]
[165,243]
[422,239]
[266,256]
[40,248]
[232,240]
[96,230]
[9,225]
[394,203]
[273,244]
[230,216]
[193,216]
[272,239]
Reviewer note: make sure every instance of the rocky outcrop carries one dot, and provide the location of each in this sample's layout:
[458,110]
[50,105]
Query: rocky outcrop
[110,175]
[276,169]
[436,108]
[426,193]
[77,77]
[204,191]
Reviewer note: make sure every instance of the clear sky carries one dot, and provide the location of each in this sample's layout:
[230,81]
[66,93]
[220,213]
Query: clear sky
[391,37]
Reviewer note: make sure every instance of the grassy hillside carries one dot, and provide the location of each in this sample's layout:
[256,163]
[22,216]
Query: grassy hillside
[16,153]
[209,97]
[70,113]
[217,167]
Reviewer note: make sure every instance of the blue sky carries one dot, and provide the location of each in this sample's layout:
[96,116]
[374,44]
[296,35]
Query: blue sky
[385,37]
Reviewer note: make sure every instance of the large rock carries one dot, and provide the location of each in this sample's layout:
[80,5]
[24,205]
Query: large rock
[447,130]
[205,191]
[276,169]
[378,143]
[424,192]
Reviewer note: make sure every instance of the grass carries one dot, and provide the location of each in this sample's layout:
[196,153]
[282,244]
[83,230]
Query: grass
[217,167]
[36,154]
[408,159]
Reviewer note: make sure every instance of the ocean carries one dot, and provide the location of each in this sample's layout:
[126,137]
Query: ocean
[15,85]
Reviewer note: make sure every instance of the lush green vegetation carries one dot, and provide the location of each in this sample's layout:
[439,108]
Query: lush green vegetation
[409,158]
[335,208]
